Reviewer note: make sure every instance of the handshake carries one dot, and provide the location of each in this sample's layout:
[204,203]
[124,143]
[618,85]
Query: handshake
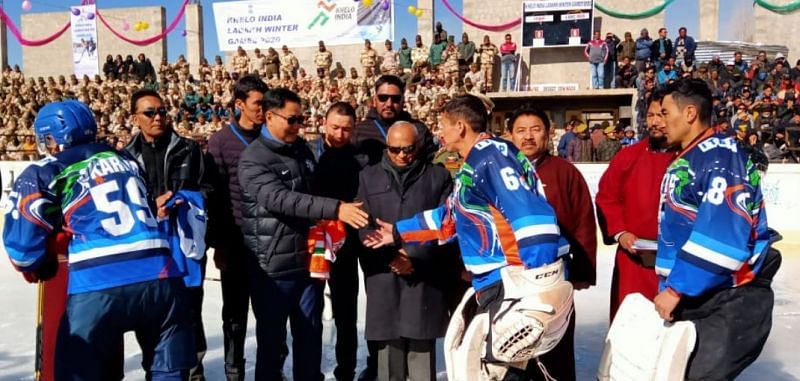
[352,214]
[383,235]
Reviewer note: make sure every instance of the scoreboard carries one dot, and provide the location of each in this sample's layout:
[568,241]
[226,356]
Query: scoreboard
[552,23]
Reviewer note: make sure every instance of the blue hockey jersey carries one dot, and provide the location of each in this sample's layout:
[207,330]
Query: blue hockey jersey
[99,197]
[712,225]
[498,212]
[186,229]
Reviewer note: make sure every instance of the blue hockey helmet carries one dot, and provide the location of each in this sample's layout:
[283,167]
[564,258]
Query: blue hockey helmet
[67,124]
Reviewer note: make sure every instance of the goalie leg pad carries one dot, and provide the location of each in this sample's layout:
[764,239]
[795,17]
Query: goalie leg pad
[465,341]
[534,314]
[531,319]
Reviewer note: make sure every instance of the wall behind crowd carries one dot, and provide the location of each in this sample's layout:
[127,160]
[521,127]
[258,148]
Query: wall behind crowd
[55,58]
[775,28]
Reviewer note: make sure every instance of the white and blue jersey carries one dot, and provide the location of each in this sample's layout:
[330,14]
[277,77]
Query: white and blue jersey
[712,225]
[97,196]
[186,229]
[498,213]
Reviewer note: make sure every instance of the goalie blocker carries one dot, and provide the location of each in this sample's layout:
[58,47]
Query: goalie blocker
[493,334]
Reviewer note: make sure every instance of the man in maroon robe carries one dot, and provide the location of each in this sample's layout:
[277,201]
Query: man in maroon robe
[627,207]
[568,194]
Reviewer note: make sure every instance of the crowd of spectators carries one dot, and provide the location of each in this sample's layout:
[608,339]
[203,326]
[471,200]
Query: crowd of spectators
[754,100]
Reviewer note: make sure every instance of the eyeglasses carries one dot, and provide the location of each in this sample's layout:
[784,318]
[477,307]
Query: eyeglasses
[396,98]
[151,113]
[296,119]
[408,150]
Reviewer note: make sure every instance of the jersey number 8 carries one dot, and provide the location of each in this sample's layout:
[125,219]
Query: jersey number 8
[716,192]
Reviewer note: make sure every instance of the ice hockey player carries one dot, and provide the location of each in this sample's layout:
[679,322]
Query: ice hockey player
[509,242]
[121,274]
[714,261]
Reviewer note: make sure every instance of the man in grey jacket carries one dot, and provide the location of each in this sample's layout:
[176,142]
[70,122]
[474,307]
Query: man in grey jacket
[275,172]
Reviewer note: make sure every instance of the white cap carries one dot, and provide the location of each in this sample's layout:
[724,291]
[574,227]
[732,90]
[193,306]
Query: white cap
[779,55]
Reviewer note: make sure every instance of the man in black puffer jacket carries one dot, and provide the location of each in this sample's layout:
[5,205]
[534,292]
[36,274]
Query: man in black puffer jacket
[369,135]
[275,172]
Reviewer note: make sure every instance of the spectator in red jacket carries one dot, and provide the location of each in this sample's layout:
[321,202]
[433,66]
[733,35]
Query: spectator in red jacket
[597,53]
[627,209]
[508,61]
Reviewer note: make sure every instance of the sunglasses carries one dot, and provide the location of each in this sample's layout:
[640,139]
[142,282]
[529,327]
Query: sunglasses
[296,119]
[152,112]
[408,150]
[385,97]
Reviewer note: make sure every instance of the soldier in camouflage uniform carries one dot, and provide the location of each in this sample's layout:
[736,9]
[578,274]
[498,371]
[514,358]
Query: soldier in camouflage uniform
[389,60]
[609,146]
[241,63]
[369,77]
[323,59]
[354,79]
[369,57]
[450,57]
[488,51]
[419,54]
[289,64]
[258,65]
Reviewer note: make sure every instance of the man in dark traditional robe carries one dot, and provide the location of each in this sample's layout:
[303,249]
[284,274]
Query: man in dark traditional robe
[566,191]
[627,207]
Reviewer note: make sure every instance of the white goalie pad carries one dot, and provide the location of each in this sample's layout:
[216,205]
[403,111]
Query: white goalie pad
[531,320]
[534,316]
[642,346]
[464,346]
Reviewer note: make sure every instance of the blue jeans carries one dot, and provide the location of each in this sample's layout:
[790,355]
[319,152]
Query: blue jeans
[507,74]
[659,64]
[94,322]
[597,74]
[297,298]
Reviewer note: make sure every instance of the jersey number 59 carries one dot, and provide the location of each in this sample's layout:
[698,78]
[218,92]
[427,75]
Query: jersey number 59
[123,221]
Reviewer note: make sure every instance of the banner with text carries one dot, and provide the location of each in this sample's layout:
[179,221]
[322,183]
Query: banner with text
[84,41]
[300,23]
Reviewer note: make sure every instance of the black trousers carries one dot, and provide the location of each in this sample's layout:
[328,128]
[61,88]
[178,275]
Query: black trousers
[560,361]
[344,302]
[732,325]
[235,306]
